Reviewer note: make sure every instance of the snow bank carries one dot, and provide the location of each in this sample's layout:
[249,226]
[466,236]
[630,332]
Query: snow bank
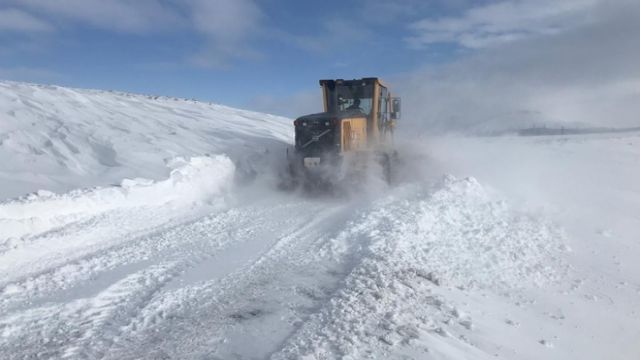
[190,180]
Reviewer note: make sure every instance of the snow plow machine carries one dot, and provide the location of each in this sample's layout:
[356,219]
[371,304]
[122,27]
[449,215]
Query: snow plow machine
[350,140]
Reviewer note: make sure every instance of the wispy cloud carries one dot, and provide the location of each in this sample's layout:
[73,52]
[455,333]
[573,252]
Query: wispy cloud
[393,11]
[502,22]
[19,21]
[140,16]
[228,27]
[335,33]
[225,28]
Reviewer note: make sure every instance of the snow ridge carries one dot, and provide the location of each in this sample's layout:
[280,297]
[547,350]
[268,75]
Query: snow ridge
[190,180]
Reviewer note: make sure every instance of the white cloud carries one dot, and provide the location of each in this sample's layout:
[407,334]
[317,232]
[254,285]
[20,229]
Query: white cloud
[503,22]
[20,21]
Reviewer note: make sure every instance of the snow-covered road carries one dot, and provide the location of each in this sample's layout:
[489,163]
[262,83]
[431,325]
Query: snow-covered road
[251,274]
[143,276]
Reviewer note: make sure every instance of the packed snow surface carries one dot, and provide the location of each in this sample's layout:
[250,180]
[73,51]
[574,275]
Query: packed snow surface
[146,227]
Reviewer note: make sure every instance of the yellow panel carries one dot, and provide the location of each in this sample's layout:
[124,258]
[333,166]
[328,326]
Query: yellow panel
[346,136]
[354,134]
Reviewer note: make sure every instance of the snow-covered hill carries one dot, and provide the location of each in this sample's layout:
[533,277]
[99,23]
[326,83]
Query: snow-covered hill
[137,240]
[60,139]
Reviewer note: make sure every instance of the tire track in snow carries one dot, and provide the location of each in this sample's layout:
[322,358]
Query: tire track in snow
[73,329]
[95,235]
[195,320]
[111,306]
[185,246]
[67,272]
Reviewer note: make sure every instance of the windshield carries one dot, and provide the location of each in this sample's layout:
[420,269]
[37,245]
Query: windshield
[350,96]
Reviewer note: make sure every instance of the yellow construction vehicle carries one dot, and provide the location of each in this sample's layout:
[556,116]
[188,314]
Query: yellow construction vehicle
[354,131]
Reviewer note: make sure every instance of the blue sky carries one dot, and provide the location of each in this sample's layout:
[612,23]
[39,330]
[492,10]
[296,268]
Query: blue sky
[259,49]
[481,60]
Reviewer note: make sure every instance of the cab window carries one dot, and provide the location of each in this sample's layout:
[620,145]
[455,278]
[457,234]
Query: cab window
[351,96]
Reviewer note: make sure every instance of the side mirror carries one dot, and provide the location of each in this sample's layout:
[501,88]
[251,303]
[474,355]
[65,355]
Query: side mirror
[395,108]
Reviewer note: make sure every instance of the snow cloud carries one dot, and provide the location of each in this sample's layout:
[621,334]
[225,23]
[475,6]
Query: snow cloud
[546,66]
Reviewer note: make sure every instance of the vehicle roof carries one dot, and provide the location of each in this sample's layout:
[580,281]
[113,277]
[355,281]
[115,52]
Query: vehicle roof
[367,80]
